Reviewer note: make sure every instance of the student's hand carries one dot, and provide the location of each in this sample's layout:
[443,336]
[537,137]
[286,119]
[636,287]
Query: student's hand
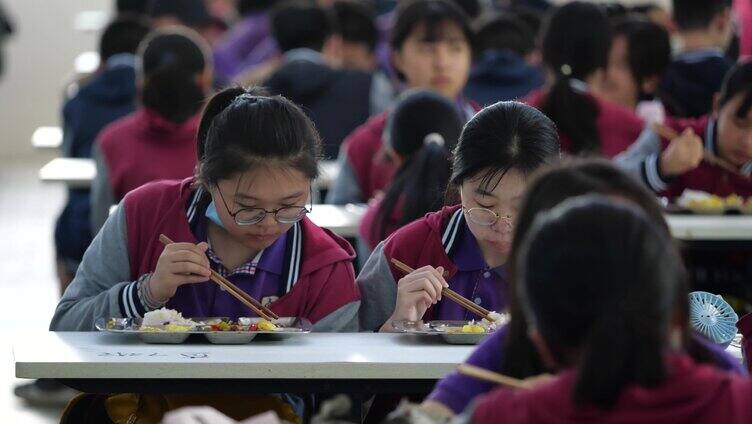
[683,154]
[417,291]
[179,263]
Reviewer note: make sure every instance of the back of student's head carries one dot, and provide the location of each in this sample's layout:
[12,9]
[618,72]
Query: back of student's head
[648,47]
[173,73]
[123,35]
[241,129]
[576,42]
[300,24]
[131,7]
[248,7]
[505,32]
[738,82]
[472,8]
[605,311]
[692,15]
[502,137]
[422,131]
[355,22]
[191,13]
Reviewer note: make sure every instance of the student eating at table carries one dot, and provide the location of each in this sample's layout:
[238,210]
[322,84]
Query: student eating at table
[612,330]
[508,350]
[431,46]
[576,42]
[158,140]
[711,154]
[242,215]
[470,241]
[421,134]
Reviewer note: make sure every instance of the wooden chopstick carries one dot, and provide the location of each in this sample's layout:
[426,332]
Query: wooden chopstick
[670,134]
[234,290]
[451,294]
[490,376]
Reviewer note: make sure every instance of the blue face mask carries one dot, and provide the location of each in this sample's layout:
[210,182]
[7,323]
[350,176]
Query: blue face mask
[211,213]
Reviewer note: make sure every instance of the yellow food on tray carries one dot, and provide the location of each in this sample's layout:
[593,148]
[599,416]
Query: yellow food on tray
[711,202]
[265,325]
[473,328]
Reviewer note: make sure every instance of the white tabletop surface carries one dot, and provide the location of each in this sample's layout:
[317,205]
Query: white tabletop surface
[75,172]
[342,220]
[316,355]
[328,172]
[710,228]
[47,138]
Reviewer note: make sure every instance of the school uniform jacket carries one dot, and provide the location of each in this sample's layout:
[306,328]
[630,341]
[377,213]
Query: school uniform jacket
[427,241]
[320,278]
[617,127]
[643,158]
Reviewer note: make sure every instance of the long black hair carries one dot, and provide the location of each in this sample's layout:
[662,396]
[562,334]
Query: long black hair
[423,129]
[738,80]
[503,136]
[243,128]
[576,43]
[605,311]
[548,188]
[171,62]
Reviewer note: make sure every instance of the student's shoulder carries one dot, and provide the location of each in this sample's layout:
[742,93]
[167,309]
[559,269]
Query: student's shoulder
[157,192]
[615,114]
[369,131]
[119,128]
[421,232]
[322,247]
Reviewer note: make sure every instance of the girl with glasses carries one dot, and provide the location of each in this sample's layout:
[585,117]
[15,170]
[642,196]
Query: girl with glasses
[242,215]
[464,246]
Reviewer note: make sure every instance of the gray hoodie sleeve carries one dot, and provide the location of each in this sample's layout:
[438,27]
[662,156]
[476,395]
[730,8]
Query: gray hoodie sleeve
[345,188]
[102,196]
[102,285]
[641,160]
[378,291]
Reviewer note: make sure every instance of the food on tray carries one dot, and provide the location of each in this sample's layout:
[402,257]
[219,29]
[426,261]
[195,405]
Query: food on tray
[473,328]
[706,202]
[710,202]
[244,324]
[265,325]
[168,318]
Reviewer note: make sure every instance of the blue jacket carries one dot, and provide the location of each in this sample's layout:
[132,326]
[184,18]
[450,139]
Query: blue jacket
[691,81]
[110,95]
[501,75]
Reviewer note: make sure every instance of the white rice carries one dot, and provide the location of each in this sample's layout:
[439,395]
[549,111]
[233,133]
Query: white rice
[166,316]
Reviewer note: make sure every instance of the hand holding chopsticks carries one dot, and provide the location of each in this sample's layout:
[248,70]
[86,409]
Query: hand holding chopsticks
[451,294]
[231,288]
[686,152]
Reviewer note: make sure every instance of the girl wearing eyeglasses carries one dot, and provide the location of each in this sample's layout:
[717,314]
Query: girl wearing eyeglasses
[465,246]
[242,215]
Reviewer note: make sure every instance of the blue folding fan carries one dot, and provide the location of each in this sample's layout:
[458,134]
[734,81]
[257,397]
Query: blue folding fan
[710,315]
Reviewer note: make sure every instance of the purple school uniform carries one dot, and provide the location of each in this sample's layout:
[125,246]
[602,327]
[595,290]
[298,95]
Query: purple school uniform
[457,391]
[474,280]
[260,277]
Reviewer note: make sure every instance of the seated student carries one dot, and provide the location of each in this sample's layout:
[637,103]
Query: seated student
[696,72]
[618,349]
[109,95]
[421,134]
[640,55]
[158,140]
[671,166]
[507,64]
[242,215]
[431,48]
[336,100]
[455,392]
[575,43]
[497,151]
[242,46]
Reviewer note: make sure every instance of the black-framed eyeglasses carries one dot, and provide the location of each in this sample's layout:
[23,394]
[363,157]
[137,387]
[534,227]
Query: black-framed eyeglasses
[252,216]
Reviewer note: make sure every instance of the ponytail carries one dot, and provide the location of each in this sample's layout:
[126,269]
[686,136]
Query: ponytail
[171,64]
[575,115]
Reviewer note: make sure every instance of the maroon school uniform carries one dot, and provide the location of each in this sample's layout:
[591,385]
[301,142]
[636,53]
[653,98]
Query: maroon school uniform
[693,393]
[707,177]
[318,273]
[370,164]
[144,147]
[618,127]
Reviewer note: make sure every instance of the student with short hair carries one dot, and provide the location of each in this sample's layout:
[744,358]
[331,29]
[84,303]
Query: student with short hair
[157,141]
[431,48]
[357,29]
[337,100]
[612,331]
[640,54]
[575,44]
[507,64]
[697,70]
[669,166]
[497,151]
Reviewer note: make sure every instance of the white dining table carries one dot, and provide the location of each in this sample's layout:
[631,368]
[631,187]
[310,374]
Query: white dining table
[73,172]
[346,362]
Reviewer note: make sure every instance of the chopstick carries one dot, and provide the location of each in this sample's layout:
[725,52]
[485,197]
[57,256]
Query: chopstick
[451,294]
[234,290]
[670,134]
[490,376]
